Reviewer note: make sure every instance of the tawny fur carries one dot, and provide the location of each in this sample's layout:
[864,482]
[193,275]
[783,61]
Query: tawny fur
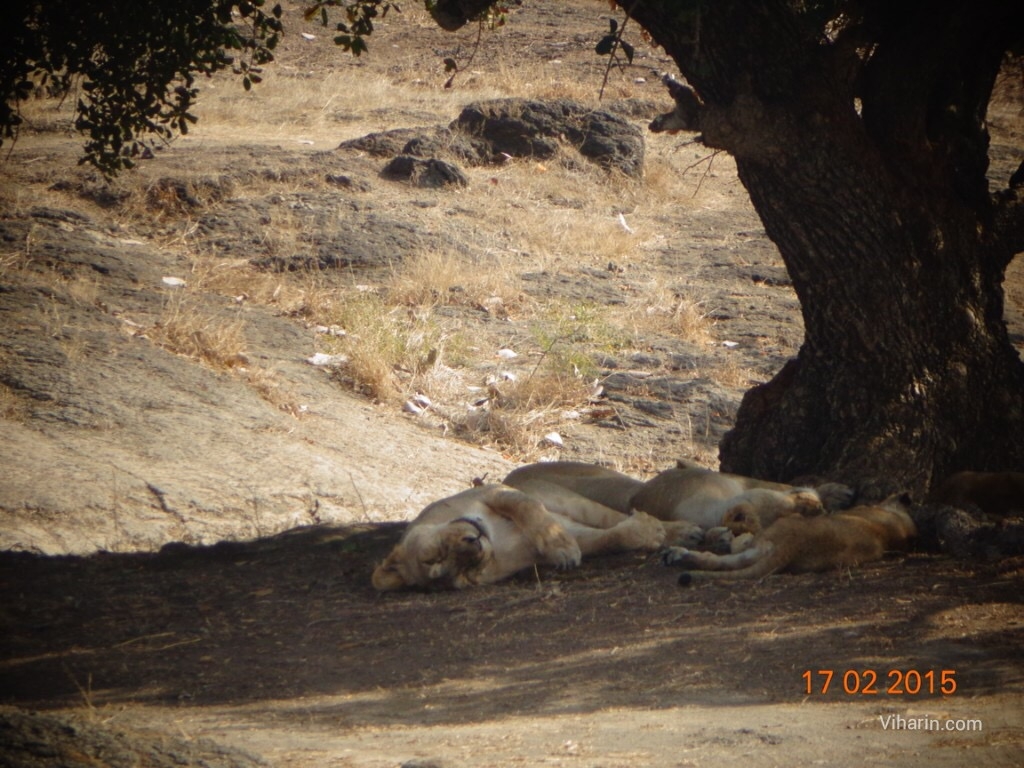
[610,489]
[490,532]
[601,484]
[704,497]
[798,544]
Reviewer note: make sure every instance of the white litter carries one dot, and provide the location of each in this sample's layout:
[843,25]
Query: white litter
[323,359]
[507,354]
[174,282]
[554,438]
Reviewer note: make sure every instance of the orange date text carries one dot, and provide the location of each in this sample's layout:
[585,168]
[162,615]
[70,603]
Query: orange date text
[870,682]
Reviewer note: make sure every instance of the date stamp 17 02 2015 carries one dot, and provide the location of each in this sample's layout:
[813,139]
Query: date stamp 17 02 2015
[870,682]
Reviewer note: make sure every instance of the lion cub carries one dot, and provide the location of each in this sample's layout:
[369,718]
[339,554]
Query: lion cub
[802,544]
[490,532]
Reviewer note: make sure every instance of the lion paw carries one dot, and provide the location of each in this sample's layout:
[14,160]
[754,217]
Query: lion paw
[718,540]
[678,556]
[684,534]
[567,557]
[563,551]
[641,531]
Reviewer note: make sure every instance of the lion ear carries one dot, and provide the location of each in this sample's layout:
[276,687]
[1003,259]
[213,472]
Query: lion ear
[387,577]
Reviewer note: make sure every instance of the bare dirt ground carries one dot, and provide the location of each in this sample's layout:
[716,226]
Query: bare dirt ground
[188,540]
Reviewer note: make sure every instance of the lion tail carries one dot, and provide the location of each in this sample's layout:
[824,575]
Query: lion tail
[773,561]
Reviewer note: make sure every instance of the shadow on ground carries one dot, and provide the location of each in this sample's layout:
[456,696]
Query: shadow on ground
[293,617]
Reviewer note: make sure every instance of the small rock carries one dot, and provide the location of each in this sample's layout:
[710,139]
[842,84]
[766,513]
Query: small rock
[432,173]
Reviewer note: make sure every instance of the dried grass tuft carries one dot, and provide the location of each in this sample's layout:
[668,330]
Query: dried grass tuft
[188,328]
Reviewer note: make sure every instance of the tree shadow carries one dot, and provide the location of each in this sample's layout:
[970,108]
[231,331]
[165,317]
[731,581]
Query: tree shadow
[291,625]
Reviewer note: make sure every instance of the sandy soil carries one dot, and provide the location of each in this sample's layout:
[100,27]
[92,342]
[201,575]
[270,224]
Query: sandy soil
[186,556]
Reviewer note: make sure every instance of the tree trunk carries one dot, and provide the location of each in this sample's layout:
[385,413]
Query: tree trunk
[896,250]
[906,371]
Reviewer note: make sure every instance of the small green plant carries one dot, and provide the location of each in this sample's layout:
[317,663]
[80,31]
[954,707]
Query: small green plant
[570,335]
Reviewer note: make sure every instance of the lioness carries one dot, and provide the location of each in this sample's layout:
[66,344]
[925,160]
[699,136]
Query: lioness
[704,497]
[549,480]
[605,486]
[799,545]
[994,493]
[490,532]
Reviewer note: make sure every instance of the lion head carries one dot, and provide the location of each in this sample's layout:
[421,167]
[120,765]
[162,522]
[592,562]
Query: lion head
[742,518]
[451,555]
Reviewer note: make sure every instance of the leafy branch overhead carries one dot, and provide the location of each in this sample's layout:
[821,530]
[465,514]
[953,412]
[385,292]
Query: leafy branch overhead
[135,62]
[358,24]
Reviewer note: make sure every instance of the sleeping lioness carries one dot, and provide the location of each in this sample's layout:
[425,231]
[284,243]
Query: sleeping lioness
[549,480]
[704,497]
[802,544]
[490,532]
[605,486]
[688,499]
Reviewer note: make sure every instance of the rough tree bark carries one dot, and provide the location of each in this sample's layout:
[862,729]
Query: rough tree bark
[858,128]
[863,147]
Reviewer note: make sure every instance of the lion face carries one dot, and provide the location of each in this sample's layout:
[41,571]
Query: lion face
[449,556]
[742,518]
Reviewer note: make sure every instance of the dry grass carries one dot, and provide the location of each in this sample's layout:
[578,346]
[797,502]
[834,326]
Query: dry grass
[731,373]
[398,341]
[669,311]
[432,322]
[272,388]
[569,335]
[188,328]
[436,278]
[311,93]
[517,415]
[216,338]
[555,214]
[388,347]
[397,346]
